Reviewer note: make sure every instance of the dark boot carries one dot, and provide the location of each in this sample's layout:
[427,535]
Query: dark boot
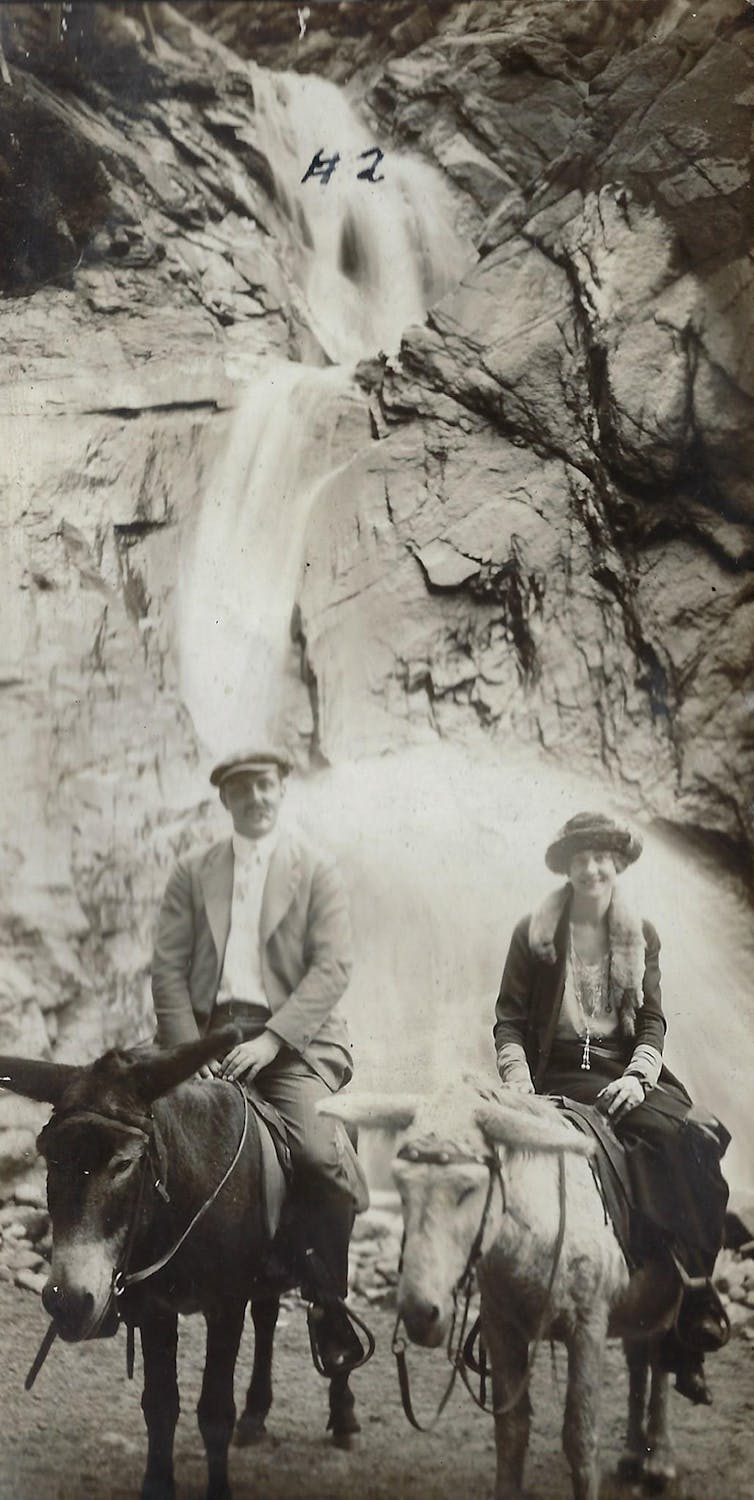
[701,1327]
[324,1220]
[690,1379]
[702,1324]
[688,1367]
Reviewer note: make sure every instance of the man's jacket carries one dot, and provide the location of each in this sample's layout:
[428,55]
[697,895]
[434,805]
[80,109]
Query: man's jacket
[305,950]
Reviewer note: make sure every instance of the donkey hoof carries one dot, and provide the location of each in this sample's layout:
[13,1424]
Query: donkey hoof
[250,1429]
[343,1440]
[157,1489]
[658,1477]
[343,1425]
[630,1468]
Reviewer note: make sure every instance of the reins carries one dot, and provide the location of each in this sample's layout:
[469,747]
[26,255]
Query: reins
[458,1355]
[123,1278]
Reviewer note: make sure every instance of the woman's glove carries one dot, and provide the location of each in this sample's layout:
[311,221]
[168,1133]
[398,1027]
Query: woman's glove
[620,1096]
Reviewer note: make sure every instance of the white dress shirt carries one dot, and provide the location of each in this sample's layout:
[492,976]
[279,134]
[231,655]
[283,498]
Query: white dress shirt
[241,977]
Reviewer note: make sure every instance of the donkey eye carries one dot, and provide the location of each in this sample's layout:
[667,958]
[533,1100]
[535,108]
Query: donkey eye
[120,1167]
[466,1192]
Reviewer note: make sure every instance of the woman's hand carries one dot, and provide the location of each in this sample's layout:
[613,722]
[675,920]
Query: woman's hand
[620,1096]
[249,1058]
[516,1076]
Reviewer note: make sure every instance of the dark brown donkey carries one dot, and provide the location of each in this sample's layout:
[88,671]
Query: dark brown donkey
[133,1151]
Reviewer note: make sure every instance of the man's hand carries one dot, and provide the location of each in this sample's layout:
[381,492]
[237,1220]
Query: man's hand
[249,1058]
[618,1097]
[209,1069]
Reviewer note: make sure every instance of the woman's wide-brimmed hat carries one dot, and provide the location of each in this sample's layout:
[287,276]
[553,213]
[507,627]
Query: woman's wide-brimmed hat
[592,831]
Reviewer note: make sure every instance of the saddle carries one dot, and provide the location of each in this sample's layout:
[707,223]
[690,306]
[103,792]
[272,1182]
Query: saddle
[275,1157]
[609,1166]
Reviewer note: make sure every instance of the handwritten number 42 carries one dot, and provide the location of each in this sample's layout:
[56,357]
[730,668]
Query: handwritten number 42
[323,166]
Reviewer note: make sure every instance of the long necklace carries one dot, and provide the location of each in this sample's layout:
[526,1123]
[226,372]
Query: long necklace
[589,988]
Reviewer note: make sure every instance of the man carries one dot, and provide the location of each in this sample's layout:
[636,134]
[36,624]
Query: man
[255,930]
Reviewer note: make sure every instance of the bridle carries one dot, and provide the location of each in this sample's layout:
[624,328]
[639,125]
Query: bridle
[122,1277]
[459,1351]
[430,1153]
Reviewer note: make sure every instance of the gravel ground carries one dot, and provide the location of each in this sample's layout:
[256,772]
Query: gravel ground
[79,1435]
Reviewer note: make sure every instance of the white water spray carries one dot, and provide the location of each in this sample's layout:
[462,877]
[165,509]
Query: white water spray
[444,852]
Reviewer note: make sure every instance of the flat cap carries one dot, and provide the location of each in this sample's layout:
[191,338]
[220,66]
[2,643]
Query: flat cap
[254,759]
[592,831]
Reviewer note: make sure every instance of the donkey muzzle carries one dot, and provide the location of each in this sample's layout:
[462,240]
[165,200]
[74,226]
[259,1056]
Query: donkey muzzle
[73,1312]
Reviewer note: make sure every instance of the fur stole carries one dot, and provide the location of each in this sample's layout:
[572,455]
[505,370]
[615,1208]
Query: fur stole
[627,951]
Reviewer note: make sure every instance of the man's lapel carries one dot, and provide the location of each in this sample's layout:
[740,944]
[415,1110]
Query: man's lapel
[280,885]
[217,885]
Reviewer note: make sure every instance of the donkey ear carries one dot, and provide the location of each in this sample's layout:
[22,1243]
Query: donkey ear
[524,1129]
[35,1079]
[383,1111]
[156,1074]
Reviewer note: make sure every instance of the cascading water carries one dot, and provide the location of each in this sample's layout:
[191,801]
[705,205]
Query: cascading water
[369,256]
[240,565]
[442,851]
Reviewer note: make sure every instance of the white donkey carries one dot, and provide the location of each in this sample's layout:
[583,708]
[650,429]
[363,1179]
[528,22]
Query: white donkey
[549,1265]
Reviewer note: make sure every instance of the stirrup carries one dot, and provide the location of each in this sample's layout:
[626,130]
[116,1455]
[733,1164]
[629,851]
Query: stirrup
[701,1322]
[341,1352]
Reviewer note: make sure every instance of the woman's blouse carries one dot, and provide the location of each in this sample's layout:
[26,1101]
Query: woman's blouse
[585,1001]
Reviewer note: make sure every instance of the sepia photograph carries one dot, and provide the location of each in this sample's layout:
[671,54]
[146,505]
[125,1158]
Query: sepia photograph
[377,817]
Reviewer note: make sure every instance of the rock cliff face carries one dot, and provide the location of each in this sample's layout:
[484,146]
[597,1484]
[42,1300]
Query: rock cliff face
[548,541]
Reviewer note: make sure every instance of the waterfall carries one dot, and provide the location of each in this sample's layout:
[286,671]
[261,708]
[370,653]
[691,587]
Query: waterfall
[368,259]
[241,562]
[369,256]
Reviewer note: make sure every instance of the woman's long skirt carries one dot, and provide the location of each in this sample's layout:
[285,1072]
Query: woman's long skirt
[673,1150]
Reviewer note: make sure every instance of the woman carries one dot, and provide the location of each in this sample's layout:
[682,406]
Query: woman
[579,1014]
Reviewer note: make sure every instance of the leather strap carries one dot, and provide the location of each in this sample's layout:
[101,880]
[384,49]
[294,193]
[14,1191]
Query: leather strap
[123,1278]
[41,1354]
